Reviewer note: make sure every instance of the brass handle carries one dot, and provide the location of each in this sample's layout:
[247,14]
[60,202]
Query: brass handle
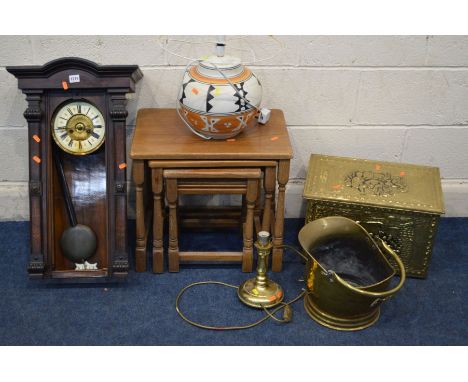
[387,293]
[286,246]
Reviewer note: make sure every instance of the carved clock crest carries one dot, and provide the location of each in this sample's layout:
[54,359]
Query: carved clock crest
[76,119]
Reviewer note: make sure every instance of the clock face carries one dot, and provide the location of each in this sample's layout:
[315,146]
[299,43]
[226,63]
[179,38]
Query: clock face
[78,128]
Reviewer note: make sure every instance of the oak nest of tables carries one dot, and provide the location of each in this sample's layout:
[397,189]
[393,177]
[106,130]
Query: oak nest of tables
[161,142]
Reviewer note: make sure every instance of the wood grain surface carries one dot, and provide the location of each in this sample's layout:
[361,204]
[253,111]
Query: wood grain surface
[162,135]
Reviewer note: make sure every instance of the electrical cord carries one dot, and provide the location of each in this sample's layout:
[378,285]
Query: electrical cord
[286,306]
[164,39]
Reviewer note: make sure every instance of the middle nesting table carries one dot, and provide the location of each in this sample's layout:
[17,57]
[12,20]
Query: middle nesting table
[210,177]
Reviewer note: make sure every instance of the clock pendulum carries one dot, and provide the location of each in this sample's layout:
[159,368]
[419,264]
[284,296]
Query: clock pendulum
[78,129]
[78,242]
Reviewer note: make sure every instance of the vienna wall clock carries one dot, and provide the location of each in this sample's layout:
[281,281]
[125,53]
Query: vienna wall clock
[76,119]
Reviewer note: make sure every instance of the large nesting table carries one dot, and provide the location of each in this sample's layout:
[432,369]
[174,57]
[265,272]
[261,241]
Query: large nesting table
[161,141]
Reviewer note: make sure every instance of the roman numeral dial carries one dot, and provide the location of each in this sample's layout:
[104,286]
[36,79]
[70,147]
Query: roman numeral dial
[78,128]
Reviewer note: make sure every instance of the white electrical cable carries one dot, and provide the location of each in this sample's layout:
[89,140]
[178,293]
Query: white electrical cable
[250,50]
[182,117]
[206,41]
[280,43]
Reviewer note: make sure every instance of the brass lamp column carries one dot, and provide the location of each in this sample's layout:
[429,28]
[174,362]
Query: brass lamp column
[260,291]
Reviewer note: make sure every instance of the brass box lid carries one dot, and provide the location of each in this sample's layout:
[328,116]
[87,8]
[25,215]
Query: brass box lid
[377,183]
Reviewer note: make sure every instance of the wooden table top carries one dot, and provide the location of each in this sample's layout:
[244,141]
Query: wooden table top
[160,134]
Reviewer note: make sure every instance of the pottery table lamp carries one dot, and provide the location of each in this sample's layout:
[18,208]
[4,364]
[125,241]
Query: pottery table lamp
[219,96]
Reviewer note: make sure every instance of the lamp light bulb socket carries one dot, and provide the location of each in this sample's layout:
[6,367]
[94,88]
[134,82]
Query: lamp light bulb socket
[263,238]
[220,48]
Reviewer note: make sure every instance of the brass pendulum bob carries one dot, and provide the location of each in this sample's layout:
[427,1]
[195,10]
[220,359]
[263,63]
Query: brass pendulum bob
[260,291]
[78,242]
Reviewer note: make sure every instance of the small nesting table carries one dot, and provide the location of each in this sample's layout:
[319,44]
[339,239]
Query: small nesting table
[161,141]
[244,181]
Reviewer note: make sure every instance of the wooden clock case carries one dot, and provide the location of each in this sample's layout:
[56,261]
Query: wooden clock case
[97,181]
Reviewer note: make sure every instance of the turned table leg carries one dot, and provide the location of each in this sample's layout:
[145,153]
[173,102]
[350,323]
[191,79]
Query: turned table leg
[158,220]
[250,197]
[283,177]
[243,208]
[171,196]
[269,184]
[258,209]
[140,251]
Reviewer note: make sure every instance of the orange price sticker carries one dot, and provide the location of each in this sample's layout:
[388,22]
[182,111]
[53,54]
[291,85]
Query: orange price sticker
[402,173]
[122,165]
[274,138]
[36,159]
[378,167]
[195,91]
[64,85]
[36,138]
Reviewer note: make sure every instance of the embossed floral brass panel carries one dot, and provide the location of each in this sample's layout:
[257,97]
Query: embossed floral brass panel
[401,203]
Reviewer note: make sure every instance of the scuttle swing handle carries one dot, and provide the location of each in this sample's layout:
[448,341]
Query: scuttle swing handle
[362,292]
[286,246]
[386,293]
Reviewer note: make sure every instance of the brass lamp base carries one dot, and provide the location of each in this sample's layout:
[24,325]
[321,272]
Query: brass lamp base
[260,291]
[256,296]
[340,323]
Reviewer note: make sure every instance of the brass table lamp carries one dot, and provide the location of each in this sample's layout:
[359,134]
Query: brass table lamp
[260,291]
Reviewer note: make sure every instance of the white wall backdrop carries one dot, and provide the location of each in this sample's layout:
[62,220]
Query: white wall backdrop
[396,98]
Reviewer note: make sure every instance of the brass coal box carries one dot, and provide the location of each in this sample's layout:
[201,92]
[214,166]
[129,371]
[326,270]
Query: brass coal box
[398,203]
